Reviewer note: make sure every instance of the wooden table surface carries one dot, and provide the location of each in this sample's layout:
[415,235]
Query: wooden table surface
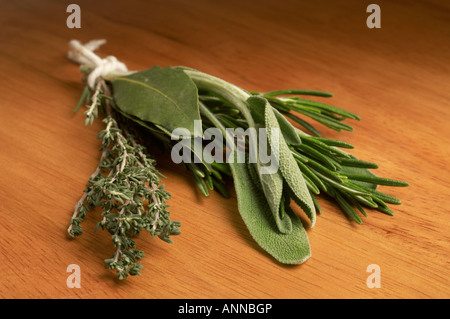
[396,78]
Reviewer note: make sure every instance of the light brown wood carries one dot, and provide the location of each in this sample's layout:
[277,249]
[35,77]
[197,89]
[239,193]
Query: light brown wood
[396,78]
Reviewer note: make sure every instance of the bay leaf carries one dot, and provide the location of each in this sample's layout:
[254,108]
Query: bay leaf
[162,96]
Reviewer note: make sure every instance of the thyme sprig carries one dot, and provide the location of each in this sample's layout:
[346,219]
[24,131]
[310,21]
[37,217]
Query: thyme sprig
[127,187]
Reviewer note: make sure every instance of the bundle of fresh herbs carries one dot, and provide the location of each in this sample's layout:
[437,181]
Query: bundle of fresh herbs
[222,134]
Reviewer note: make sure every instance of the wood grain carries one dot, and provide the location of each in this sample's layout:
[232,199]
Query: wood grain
[396,78]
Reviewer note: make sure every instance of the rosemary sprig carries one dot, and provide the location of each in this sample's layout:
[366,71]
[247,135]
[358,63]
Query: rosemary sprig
[325,114]
[326,168]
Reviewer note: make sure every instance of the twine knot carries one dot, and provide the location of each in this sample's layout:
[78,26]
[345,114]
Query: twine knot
[84,55]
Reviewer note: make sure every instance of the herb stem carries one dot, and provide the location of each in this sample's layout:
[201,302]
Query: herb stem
[83,198]
[125,154]
[157,204]
[75,213]
[118,251]
[95,100]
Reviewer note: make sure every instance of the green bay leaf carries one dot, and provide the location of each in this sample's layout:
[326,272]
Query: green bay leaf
[162,96]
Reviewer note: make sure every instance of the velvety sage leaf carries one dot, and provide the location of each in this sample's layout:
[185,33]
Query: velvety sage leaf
[162,96]
[287,164]
[257,106]
[271,184]
[292,248]
[288,131]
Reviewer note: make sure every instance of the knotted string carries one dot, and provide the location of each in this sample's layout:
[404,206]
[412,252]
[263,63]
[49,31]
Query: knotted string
[84,55]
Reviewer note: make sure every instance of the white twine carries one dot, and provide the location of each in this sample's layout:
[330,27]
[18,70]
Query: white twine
[84,55]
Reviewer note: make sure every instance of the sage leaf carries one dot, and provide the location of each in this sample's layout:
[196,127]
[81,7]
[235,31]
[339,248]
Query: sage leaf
[288,131]
[162,96]
[287,164]
[291,248]
[271,184]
